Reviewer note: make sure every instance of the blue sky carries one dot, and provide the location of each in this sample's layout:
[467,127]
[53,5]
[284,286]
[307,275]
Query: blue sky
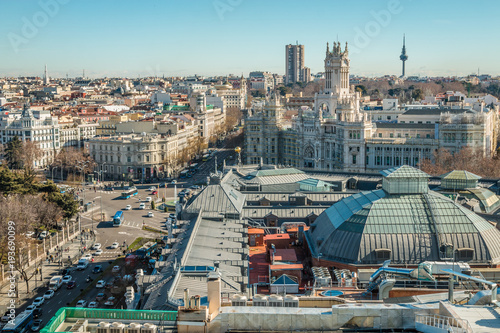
[163,37]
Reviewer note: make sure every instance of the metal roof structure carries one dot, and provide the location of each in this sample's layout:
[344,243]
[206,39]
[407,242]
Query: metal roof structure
[403,171]
[217,198]
[275,172]
[460,174]
[411,226]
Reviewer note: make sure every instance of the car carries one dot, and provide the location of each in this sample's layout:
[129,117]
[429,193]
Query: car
[96,246]
[109,285]
[67,278]
[38,301]
[37,312]
[43,234]
[115,245]
[71,285]
[108,188]
[111,301]
[88,256]
[162,185]
[142,205]
[100,284]
[67,271]
[195,187]
[174,182]
[37,324]
[150,214]
[128,207]
[30,308]
[116,269]
[98,252]
[49,294]
[154,193]
[171,216]
[81,303]
[93,305]
[187,191]
[97,269]
[100,297]
[181,194]
[6,317]
[148,199]
[30,234]
[152,188]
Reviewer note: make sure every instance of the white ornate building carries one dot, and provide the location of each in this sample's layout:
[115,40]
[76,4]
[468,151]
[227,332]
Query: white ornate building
[338,135]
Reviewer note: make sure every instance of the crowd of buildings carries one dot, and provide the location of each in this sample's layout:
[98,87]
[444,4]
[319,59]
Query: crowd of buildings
[343,131]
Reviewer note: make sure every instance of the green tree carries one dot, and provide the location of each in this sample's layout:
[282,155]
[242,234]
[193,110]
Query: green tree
[66,202]
[361,88]
[13,153]
[153,204]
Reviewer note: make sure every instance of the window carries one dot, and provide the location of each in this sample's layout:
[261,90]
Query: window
[353,159]
[465,254]
[129,159]
[383,254]
[380,135]
[391,135]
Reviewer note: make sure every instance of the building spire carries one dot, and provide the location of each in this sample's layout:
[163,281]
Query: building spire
[403,57]
[46,76]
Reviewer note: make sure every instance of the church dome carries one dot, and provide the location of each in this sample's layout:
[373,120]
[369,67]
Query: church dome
[403,222]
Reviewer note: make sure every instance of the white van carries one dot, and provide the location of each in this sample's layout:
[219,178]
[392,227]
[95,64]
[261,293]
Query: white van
[55,283]
[82,264]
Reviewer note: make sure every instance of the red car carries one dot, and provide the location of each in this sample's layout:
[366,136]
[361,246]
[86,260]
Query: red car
[71,285]
[154,192]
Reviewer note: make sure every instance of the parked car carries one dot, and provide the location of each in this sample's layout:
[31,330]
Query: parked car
[142,205]
[148,199]
[107,188]
[49,294]
[128,207]
[6,317]
[171,216]
[37,312]
[81,303]
[38,301]
[97,269]
[116,269]
[67,278]
[30,234]
[162,185]
[93,305]
[96,246]
[98,252]
[99,297]
[150,214]
[154,193]
[37,324]
[71,285]
[111,301]
[152,188]
[43,234]
[115,245]
[100,284]
[195,187]
[174,182]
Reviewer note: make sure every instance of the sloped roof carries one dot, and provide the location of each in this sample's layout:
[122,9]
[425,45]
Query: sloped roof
[275,172]
[218,198]
[460,175]
[314,182]
[411,225]
[404,171]
[284,280]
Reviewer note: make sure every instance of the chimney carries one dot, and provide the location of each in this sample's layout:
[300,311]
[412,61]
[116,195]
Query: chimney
[214,294]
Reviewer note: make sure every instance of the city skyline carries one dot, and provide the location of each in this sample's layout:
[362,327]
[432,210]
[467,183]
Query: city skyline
[236,37]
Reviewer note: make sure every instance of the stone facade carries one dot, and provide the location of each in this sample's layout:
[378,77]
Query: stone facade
[339,135]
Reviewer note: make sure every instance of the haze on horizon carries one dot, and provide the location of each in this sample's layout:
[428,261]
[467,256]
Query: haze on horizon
[220,37]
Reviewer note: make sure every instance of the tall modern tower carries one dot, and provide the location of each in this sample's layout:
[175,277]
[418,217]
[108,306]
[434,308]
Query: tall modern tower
[46,77]
[294,63]
[403,56]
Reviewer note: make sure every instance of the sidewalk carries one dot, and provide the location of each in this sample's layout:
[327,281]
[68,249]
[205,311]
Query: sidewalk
[39,282]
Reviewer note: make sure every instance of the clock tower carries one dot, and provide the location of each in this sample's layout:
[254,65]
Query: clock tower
[337,70]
